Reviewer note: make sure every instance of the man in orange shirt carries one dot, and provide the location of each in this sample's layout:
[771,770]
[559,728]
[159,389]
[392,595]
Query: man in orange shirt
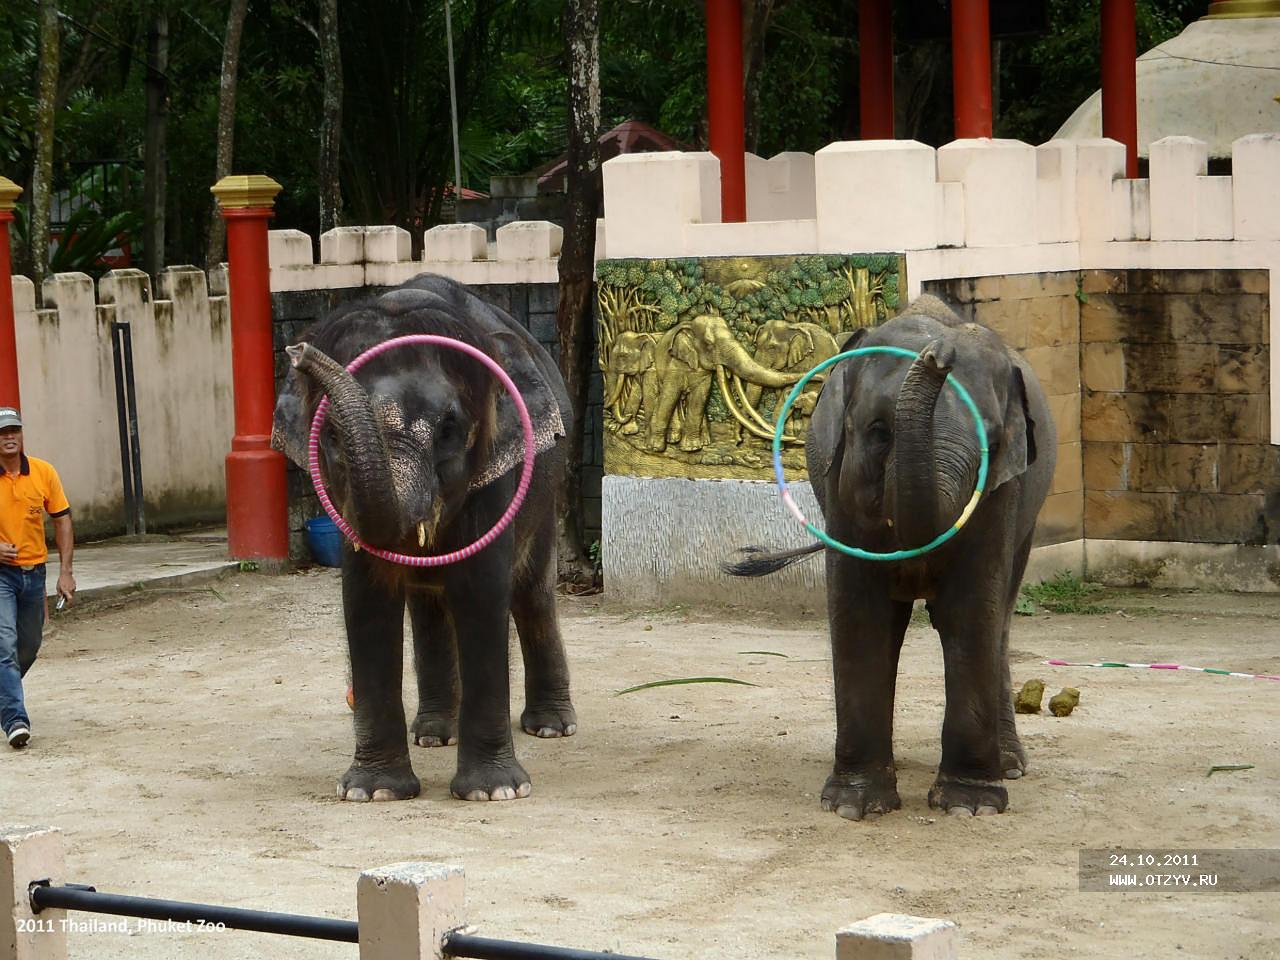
[29,488]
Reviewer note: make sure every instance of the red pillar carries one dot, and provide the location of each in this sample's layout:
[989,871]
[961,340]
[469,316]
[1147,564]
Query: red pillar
[724,104]
[1120,78]
[971,67]
[9,393]
[257,501]
[875,69]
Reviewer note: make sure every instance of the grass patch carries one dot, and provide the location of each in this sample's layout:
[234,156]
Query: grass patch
[1064,592]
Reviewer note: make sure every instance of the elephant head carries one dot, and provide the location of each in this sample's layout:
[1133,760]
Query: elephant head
[415,429]
[629,376]
[794,348]
[902,450]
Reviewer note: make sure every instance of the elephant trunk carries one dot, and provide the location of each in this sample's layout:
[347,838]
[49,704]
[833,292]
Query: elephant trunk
[915,502]
[363,448]
[736,359]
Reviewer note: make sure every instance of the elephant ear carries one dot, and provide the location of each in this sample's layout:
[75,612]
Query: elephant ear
[685,350]
[1016,449]
[799,346]
[825,439]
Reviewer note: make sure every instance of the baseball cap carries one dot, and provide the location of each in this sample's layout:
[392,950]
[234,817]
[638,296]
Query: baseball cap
[9,417]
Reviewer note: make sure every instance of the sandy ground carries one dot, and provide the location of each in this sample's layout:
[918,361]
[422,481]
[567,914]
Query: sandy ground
[189,745]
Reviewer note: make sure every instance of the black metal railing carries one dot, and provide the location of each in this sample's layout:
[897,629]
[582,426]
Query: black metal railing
[75,896]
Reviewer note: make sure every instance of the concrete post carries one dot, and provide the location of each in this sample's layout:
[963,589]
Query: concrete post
[28,854]
[896,936]
[406,909]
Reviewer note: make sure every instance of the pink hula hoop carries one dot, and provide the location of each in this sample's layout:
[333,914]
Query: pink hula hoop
[526,475]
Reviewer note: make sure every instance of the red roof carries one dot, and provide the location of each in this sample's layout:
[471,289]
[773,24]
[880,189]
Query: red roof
[630,136]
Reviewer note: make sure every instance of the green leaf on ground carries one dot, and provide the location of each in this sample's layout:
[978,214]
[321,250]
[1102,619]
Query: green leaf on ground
[682,680]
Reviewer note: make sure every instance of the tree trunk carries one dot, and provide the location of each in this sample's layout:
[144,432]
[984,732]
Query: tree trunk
[42,174]
[156,158]
[217,236]
[756,15]
[330,187]
[574,315]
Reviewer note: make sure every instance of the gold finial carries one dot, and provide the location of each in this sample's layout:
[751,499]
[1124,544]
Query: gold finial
[8,194]
[1239,9]
[252,190]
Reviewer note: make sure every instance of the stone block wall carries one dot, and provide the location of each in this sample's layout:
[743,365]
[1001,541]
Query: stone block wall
[1039,315]
[1174,370]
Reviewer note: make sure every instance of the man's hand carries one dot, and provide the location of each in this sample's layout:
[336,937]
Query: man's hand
[8,553]
[66,587]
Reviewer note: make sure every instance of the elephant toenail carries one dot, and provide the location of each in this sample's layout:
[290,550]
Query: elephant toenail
[524,790]
[986,810]
[384,794]
[1012,774]
[358,794]
[959,812]
[849,812]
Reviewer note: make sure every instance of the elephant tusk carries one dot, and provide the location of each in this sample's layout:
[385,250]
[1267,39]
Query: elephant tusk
[737,415]
[752,412]
[422,534]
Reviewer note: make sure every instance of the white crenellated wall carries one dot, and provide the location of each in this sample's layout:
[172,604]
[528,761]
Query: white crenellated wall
[971,208]
[525,252]
[182,376]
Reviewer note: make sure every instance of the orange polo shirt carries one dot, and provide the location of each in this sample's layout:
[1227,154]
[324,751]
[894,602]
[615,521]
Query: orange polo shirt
[25,497]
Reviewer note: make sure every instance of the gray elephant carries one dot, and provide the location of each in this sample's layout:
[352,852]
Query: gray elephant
[893,458]
[791,348]
[422,451]
[630,378]
[689,355]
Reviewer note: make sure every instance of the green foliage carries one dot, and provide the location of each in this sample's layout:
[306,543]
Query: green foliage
[1064,592]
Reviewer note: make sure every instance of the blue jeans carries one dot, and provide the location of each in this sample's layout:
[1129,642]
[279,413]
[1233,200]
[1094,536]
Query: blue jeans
[21,623]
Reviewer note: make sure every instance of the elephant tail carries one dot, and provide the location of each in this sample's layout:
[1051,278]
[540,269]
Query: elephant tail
[757,563]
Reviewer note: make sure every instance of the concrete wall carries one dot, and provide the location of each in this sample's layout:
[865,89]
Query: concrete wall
[182,372]
[1019,235]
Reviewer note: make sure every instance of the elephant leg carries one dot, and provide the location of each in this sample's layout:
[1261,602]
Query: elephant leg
[695,432]
[1013,758]
[662,416]
[478,598]
[374,618]
[630,408]
[970,617]
[435,661]
[548,708]
[867,629]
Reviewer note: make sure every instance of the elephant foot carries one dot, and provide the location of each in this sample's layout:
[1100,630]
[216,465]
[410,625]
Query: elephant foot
[362,784]
[549,720]
[690,446]
[1013,759]
[630,429]
[435,730]
[496,780]
[961,796]
[861,796]
[657,446]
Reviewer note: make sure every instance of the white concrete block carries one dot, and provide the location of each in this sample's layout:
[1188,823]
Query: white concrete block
[1131,209]
[1176,162]
[1099,163]
[405,910]
[387,244]
[342,245]
[876,195]
[999,178]
[455,241]
[896,936]
[529,240]
[762,239]
[69,291]
[600,246]
[28,854]
[649,197]
[126,286]
[218,280]
[288,248]
[1214,214]
[1058,220]
[324,276]
[1255,168]
[950,209]
[781,188]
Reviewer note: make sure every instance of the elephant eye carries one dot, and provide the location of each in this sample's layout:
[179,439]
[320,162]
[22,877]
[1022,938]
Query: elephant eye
[879,433]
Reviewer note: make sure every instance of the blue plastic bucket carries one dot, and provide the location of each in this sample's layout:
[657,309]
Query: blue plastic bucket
[324,540]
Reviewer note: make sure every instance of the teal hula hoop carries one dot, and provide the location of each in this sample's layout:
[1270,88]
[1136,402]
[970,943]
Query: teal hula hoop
[790,503]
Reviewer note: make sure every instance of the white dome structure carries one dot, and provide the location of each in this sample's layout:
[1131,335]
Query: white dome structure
[1217,80]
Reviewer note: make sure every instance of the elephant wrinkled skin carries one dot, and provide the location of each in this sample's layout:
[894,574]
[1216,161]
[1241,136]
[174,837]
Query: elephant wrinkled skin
[893,458]
[422,451]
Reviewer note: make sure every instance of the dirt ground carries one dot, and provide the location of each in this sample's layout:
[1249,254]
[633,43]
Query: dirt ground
[188,745]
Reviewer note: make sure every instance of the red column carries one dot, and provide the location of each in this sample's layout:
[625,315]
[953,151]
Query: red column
[257,501]
[875,69]
[9,393]
[971,67]
[724,104]
[1120,78]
